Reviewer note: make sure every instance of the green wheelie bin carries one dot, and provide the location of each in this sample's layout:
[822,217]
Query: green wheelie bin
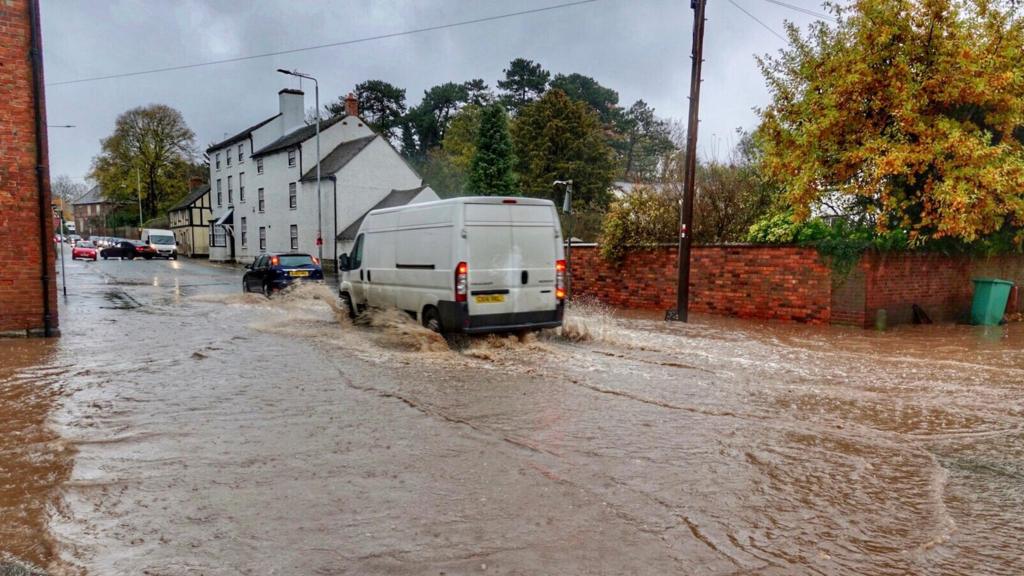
[990,296]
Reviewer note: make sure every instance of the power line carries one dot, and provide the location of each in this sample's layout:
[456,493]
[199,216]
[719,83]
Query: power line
[758,20]
[802,10]
[328,45]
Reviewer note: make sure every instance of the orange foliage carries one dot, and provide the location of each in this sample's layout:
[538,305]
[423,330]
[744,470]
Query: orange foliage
[916,107]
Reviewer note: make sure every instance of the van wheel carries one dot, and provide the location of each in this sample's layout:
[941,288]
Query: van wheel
[431,319]
[346,300]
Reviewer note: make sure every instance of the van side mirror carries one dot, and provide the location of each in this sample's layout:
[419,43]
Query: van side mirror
[343,263]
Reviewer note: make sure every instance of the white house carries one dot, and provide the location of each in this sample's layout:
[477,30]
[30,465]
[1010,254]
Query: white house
[264,185]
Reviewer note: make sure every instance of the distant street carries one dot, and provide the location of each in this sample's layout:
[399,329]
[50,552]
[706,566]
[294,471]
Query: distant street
[182,427]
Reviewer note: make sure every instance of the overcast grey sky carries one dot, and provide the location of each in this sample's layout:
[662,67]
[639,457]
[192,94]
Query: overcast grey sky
[638,47]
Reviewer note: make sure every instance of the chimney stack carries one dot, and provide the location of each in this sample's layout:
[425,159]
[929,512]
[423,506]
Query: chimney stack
[291,104]
[351,105]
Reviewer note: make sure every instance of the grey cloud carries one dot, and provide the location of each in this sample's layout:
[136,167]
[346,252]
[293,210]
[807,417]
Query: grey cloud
[640,48]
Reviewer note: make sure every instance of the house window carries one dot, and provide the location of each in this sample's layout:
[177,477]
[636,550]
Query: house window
[239,153]
[291,158]
[220,194]
[231,194]
[241,187]
[219,238]
[295,237]
[218,160]
[263,238]
[259,199]
[259,165]
[228,157]
[245,234]
[293,201]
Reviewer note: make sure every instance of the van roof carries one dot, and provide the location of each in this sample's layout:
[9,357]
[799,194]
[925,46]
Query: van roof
[474,200]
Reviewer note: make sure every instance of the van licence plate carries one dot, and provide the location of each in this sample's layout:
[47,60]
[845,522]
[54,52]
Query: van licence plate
[298,273]
[490,298]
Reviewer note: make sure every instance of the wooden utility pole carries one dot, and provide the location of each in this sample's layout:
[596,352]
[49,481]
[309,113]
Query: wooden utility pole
[686,210]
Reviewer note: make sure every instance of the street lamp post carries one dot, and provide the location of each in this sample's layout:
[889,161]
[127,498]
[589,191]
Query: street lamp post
[567,210]
[138,187]
[319,205]
[63,276]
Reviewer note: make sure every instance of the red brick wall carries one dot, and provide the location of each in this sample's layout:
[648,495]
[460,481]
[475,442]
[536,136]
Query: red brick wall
[766,282]
[939,284]
[22,295]
[792,284]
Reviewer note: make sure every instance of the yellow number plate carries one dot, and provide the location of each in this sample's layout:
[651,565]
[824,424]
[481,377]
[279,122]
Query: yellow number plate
[490,298]
[298,273]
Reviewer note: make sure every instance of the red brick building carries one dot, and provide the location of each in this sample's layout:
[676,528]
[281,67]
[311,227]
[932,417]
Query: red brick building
[92,214]
[28,288]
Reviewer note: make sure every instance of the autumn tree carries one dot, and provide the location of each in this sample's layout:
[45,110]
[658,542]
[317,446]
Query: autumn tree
[556,138]
[381,104]
[914,107]
[151,152]
[490,172]
[525,80]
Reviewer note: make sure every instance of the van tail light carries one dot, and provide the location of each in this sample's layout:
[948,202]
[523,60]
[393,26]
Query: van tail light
[461,282]
[274,260]
[560,279]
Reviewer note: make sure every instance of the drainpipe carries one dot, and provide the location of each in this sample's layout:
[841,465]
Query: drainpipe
[333,178]
[42,176]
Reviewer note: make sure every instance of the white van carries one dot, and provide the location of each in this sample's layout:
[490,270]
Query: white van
[162,241]
[477,264]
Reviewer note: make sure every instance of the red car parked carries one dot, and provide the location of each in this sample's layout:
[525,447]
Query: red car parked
[85,250]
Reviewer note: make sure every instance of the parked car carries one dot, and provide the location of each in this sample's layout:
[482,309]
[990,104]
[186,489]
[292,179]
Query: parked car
[272,272]
[162,242]
[84,249]
[128,249]
[72,238]
[472,265]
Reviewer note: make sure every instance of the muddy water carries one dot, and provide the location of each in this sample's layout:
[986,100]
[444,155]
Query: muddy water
[182,427]
[33,459]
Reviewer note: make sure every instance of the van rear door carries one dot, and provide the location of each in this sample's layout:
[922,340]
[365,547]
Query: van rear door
[512,252]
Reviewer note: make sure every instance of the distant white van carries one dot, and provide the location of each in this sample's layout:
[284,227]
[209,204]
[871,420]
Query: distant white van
[162,241]
[473,265]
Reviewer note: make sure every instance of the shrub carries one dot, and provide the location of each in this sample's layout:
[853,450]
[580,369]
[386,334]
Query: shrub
[644,217]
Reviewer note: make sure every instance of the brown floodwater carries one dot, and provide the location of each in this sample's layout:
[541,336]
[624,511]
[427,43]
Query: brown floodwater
[181,427]
[34,461]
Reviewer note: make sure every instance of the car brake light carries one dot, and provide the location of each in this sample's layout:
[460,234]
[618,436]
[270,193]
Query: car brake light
[509,201]
[560,279]
[274,260]
[461,282]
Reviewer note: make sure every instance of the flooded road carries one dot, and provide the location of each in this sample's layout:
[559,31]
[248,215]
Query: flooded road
[181,427]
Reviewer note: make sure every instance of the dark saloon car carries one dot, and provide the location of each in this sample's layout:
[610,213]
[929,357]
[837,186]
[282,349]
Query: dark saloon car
[272,272]
[129,249]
